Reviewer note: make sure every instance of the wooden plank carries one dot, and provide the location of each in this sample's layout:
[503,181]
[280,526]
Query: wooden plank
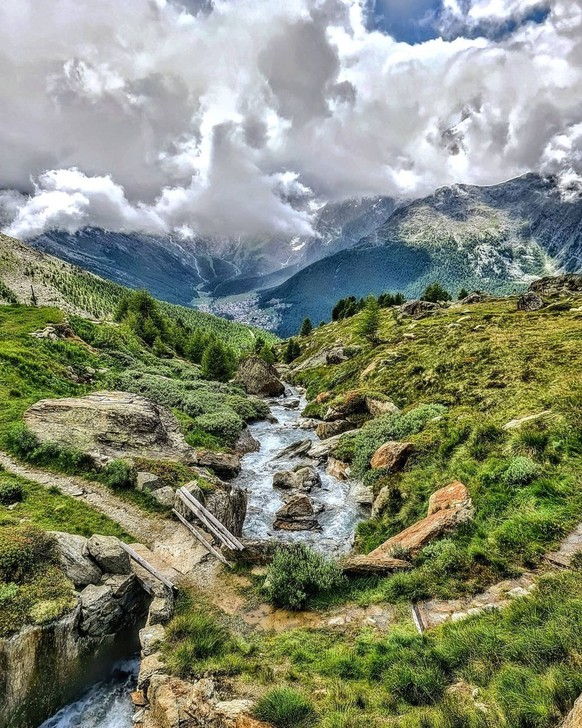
[202,514]
[198,535]
[220,526]
[148,567]
[417,618]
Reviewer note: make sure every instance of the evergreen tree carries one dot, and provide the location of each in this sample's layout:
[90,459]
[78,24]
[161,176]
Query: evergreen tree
[217,362]
[292,351]
[434,293]
[306,327]
[463,293]
[267,354]
[195,346]
[370,322]
[259,344]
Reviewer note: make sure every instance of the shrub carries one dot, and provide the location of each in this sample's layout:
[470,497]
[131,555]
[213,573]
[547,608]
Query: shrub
[521,471]
[298,573]
[217,362]
[285,708]
[223,423]
[20,440]
[192,637]
[24,550]
[119,474]
[434,292]
[10,492]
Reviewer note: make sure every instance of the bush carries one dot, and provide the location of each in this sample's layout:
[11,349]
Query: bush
[119,474]
[521,471]
[23,551]
[223,424]
[285,708]
[21,441]
[298,573]
[10,492]
[191,637]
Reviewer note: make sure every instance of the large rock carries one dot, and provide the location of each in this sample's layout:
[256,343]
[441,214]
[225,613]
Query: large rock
[246,443]
[296,515]
[304,477]
[329,429]
[379,406]
[77,565]
[328,356]
[258,377]
[338,469]
[419,309]
[474,297]
[107,425]
[363,565]
[391,456]
[350,405]
[447,508]
[165,496]
[227,465]
[147,481]
[229,505]
[322,450]
[529,301]
[101,613]
[109,554]
[557,285]
[295,450]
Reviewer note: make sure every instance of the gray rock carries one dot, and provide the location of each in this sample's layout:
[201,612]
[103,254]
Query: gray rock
[229,505]
[246,443]
[147,481]
[296,515]
[150,638]
[377,406]
[558,285]
[101,613]
[322,450]
[295,450]
[161,610]
[165,496]
[225,464]
[107,425]
[258,377]
[529,301]
[304,477]
[78,567]
[419,309]
[330,429]
[109,554]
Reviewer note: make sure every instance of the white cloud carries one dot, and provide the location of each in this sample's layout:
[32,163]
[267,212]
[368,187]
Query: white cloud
[143,115]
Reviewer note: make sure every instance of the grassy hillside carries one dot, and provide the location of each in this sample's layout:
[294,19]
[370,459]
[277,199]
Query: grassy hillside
[25,272]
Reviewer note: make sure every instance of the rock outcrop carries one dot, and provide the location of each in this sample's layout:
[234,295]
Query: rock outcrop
[574,717]
[329,356]
[448,508]
[109,554]
[75,560]
[557,285]
[529,301]
[257,376]
[330,429]
[107,425]
[246,443]
[298,514]
[225,464]
[391,456]
[419,309]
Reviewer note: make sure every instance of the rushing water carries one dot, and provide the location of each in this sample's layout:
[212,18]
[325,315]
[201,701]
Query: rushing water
[107,703]
[340,509]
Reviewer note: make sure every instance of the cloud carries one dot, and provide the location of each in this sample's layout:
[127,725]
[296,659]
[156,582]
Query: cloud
[238,117]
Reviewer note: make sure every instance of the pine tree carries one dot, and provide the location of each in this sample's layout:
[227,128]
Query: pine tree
[435,293]
[370,322]
[217,362]
[306,327]
[463,293]
[292,351]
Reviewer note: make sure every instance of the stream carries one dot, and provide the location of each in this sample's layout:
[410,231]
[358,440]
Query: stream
[107,703]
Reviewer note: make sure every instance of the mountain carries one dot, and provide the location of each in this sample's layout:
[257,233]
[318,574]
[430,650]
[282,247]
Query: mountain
[28,275]
[494,238]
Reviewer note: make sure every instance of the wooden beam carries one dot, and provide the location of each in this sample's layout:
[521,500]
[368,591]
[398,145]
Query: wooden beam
[199,535]
[148,567]
[202,514]
[213,520]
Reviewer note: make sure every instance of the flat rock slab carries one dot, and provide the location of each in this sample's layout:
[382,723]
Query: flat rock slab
[570,546]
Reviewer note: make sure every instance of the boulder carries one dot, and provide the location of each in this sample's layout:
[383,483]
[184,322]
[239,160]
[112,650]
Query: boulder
[304,477]
[150,638]
[322,450]
[256,551]
[147,481]
[161,610]
[77,565]
[227,465]
[175,703]
[351,403]
[391,456]
[101,613]
[557,285]
[296,515]
[107,425]
[337,469]
[419,309]
[447,508]
[323,397]
[474,297]
[329,429]
[529,301]
[246,443]
[257,376]
[307,423]
[165,496]
[363,565]
[229,505]
[109,554]
[295,450]
[378,406]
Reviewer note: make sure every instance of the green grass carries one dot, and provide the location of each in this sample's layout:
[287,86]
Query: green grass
[285,707]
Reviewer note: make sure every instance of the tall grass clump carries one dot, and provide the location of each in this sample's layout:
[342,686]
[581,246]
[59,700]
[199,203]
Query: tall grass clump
[285,707]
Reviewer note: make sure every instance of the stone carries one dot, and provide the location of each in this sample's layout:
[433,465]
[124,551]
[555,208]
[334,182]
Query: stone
[257,376]
[557,285]
[138,698]
[448,508]
[227,465]
[256,551]
[474,297]
[150,638]
[512,424]
[101,613]
[246,443]
[322,450]
[307,423]
[229,505]
[574,717]
[329,429]
[149,666]
[377,406]
[529,301]
[391,456]
[176,703]
[304,477]
[323,397]
[165,496]
[147,481]
[160,611]
[295,450]
[296,515]
[361,565]
[123,586]
[419,309]
[337,469]
[351,404]
[230,709]
[109,554]
[107,425]
[363,494]
[77,565]
[329,356]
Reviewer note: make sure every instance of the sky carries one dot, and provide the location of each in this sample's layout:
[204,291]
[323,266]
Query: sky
[239,118]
